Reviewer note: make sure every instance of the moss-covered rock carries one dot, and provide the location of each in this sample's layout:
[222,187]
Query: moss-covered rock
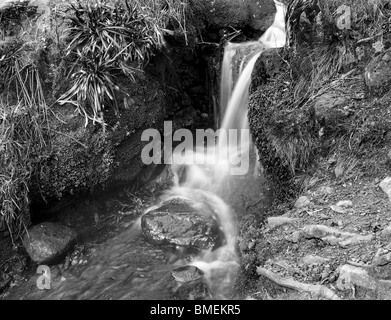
[221,14]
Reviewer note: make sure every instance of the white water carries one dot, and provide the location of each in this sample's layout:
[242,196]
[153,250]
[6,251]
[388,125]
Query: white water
[208,182]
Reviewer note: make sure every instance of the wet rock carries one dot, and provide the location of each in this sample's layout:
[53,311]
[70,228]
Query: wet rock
[193,290]
[334,236]
[350,276]
[378,74]
[179,222]
[313,259]
[275,222]
[48,242]
[385,185]
[161,178]
[187,274]
[220,14]
[302,202]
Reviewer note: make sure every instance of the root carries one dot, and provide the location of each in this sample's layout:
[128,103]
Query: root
[318,290]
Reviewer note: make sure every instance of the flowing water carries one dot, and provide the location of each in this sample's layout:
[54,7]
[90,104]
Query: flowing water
[128,267]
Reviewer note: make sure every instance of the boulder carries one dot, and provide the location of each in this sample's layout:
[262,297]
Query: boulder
[179,222]
[219,14]
[48,242]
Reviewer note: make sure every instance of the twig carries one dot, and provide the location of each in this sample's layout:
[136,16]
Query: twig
[369,38]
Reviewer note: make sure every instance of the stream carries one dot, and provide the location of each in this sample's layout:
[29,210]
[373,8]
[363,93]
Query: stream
[115,259]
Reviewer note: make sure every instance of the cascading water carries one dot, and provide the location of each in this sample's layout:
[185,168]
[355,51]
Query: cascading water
[210,182]
[130,267]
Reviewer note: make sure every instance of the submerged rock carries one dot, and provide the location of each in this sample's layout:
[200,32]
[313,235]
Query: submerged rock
[187,273]
[193,290]
[179,222]
[48,242]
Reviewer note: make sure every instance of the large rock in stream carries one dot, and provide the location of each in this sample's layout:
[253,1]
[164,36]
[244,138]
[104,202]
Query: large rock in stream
[48,242]
[180,222]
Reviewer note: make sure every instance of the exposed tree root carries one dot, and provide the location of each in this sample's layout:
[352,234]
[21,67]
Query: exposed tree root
[318,290]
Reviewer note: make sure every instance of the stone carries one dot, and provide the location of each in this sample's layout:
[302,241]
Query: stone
[193,290]
[275,222]
[385,185]
[180,222]
[386,232]
[313,259]
[345,204]
[334,236]
[187,273]
[302,202]
[341,206]
[220,14]
[337,209]
[378,74]
[350,276]
[48,242]
[381,265]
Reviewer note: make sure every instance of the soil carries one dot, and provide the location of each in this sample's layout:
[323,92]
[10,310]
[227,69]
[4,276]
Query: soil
[278,251]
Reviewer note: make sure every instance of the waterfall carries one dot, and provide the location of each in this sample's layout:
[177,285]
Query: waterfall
[206,181]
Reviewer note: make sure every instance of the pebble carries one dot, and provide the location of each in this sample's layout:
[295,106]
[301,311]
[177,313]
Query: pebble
[340,223]
[345,204]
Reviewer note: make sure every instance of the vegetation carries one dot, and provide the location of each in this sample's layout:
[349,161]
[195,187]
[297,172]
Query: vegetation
[23,133]
[318,107]
[99,43]
[107,40]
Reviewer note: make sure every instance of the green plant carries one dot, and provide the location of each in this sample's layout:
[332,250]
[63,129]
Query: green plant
[23,137]
[107,40]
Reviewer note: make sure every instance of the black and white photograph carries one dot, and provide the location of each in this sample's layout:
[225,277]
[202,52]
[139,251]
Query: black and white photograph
[201,157]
